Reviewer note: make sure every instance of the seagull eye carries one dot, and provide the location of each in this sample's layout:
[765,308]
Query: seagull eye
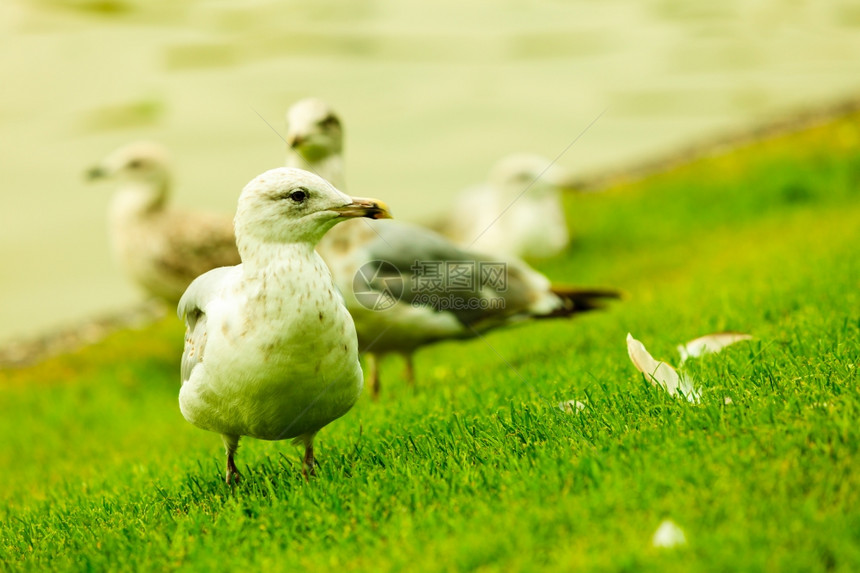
[298,195]
[329,121]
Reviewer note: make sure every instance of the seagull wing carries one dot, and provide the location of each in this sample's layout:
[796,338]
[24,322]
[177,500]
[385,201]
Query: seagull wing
[478,289]
[192,308]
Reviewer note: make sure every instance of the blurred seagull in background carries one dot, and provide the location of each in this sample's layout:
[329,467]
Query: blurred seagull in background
[270,349]
[518,211]
[161,249]
[396,277]
[315,140]
[407,287]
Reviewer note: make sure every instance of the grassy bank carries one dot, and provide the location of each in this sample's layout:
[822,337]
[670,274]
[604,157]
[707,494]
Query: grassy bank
[478,468]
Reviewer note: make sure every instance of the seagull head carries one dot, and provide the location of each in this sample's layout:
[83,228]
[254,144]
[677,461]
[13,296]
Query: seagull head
[520,171]
[142,162]
[290,205]
[314,131]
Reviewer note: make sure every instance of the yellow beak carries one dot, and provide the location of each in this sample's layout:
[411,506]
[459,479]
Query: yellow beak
[360,207]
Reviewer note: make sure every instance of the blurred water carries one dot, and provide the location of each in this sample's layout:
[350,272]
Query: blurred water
[431,95]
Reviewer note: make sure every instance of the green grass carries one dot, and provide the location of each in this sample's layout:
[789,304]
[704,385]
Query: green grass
[478,468]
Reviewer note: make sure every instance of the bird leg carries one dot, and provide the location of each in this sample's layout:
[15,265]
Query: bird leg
[373,379]
[231,444]
[409,370]
[308,461]
[233,475]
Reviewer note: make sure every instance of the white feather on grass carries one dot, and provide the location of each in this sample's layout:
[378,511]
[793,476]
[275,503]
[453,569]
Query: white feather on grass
[710,343]
[668,535]
[661,374]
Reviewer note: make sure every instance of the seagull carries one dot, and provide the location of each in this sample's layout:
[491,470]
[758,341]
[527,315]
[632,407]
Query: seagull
[161,249]
[388,271]
[315,140]
[270,349]
[407,287]
[518,211]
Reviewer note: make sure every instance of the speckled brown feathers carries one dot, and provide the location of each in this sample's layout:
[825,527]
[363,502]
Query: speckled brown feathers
[161,249]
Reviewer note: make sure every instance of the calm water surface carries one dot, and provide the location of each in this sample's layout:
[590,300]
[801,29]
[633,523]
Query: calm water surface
[430,93]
